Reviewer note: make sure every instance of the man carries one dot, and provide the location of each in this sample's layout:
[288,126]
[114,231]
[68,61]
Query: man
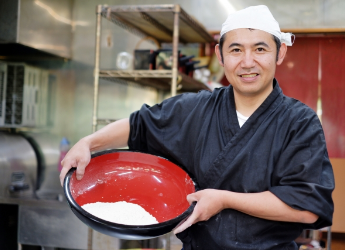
[258,156]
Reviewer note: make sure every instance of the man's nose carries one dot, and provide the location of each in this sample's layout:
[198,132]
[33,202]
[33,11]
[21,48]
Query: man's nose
[248,60]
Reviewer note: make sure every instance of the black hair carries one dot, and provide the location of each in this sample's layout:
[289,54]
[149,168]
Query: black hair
[222,39]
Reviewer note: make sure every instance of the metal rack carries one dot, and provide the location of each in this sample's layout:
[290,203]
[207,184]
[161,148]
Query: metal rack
[160,79]
[165,23]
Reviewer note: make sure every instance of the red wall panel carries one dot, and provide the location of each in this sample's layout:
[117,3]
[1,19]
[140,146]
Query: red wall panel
[298,74]
[298,77]
[333,94]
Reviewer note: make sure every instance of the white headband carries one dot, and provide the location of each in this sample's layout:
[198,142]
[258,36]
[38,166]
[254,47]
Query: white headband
[256,17]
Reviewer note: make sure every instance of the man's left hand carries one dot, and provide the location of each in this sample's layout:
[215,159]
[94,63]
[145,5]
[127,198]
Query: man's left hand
[209,203]
[264,205]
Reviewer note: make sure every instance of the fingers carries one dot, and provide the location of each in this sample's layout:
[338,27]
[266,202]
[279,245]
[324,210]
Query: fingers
[80,170]
[63,174]
[209,203]
[192,197]
[66,167]
[193,218]
[79,157]
[190,221]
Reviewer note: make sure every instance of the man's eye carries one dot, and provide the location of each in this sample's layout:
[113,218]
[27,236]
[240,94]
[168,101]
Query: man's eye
[260,49]
[236,50]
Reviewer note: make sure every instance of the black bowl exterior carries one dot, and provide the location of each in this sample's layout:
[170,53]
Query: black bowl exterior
[126,232]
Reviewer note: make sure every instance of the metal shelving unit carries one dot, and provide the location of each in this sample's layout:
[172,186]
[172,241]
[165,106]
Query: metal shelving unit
[165,23]
[160,79]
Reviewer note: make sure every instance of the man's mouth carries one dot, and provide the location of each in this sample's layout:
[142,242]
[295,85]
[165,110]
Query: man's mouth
[249,75]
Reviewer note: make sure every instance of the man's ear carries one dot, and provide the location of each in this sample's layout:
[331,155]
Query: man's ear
[282,53]
[219,56]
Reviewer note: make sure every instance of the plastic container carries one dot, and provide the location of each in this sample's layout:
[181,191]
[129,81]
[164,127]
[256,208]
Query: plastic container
[64,147]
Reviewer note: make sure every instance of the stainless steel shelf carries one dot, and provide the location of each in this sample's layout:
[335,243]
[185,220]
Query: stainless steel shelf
[157,21]
[160,79]
[165,23]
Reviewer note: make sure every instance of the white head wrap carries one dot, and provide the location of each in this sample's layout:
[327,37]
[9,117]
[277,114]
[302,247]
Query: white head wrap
[256,17]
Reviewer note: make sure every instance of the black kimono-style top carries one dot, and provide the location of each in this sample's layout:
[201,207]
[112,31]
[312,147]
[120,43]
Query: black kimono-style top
[280,148]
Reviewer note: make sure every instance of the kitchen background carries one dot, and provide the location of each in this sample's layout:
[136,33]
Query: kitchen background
[59,38]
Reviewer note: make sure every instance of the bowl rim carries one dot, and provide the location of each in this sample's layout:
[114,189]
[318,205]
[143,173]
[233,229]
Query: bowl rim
[74,205]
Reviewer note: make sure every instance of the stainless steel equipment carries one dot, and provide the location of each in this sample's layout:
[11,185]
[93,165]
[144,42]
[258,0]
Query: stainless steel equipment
[47,151]
[26,25]
[29,166]
[29,179]
[18,167]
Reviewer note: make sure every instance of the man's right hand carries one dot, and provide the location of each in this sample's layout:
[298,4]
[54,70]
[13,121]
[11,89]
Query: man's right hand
[79,157]
[114,135]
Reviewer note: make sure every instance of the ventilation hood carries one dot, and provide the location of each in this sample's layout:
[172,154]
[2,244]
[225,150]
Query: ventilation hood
[30,28]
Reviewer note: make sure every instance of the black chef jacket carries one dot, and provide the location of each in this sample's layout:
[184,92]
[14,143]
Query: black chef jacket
[280,148]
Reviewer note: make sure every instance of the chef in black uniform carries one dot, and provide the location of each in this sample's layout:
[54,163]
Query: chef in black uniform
[258,156]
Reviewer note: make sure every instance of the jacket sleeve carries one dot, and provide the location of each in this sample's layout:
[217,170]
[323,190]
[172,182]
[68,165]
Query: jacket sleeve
[303,175]
[168,129]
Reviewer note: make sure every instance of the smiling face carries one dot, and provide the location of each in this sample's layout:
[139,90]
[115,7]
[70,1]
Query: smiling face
[249,61]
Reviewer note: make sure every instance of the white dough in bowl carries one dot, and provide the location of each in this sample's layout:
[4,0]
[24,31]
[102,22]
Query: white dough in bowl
[120,212]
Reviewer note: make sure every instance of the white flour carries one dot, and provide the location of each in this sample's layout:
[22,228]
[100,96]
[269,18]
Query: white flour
[120,212]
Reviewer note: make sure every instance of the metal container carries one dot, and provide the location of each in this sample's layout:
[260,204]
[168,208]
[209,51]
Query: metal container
[47,151]
[18,167]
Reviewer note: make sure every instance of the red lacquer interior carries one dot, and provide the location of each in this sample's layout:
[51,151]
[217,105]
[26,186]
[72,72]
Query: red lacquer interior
[156,184]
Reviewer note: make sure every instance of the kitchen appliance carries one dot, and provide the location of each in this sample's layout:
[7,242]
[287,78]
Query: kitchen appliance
[153,59]
[144,59]
[29,166]
[29,182]
[18,167]
[23,95]
[47,150]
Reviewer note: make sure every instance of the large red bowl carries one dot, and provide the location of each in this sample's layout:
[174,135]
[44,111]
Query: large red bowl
[154,183]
